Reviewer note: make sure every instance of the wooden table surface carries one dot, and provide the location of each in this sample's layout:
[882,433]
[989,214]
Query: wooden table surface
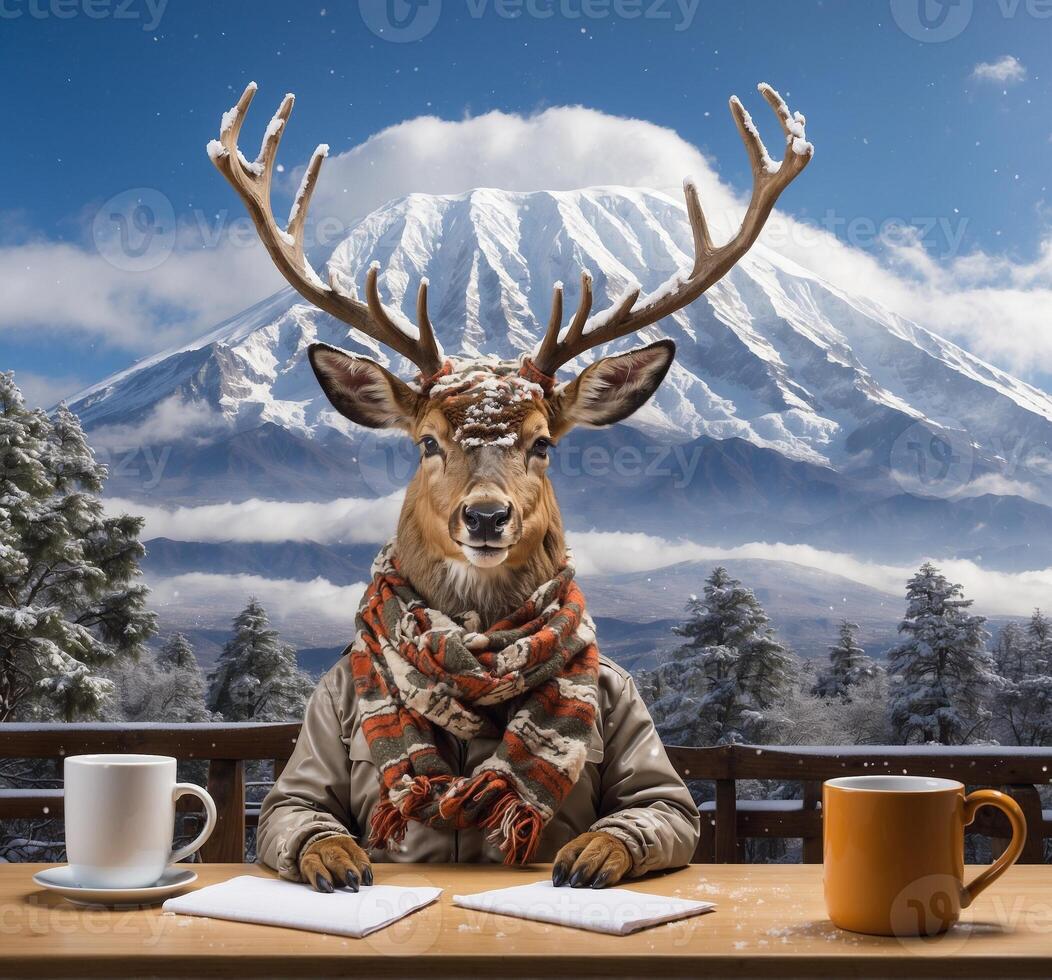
[770,921]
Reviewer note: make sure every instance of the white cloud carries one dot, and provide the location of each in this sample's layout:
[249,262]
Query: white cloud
[561,148]
[73,292]
[285,600]
[1007,70]
[995,593]
[44,391]
[171,420]
[347,520]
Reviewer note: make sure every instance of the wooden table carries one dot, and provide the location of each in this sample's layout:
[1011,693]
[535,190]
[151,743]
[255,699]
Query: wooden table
[770,921]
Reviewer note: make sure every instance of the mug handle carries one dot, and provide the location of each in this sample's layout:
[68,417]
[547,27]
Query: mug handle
[182,789]
[1012,810]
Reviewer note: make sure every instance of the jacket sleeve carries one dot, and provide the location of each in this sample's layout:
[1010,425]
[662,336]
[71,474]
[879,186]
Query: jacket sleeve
[643,801]
[311,798]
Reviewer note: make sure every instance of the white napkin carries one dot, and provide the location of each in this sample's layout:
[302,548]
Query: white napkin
[270,902]
[618,911]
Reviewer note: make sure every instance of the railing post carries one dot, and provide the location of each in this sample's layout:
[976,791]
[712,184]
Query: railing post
[1029,800]
[812,846]
[726,821]
[226,785]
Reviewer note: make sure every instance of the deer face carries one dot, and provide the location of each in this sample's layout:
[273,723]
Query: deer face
[481,496]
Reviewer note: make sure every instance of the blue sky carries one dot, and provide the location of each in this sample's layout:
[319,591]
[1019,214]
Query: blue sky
[948,131]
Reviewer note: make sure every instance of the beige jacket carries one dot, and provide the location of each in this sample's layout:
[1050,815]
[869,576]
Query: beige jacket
[628,787]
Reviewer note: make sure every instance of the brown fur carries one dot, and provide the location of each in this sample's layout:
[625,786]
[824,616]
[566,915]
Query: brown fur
[335,862]
[592,860]
[430,556]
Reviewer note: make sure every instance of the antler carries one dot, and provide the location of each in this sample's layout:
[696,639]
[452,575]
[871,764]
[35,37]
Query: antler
[252,182]
[711,263]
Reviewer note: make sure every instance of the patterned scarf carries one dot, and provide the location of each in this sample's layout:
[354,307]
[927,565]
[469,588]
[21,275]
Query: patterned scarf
[416,669]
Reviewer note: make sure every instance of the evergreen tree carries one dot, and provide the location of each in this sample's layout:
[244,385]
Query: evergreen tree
[1024,701]
[1011,652]
[71,604]
[1039,644]
[724,683]
[848,664]
[168,687]
[731,616]
[941,672]
[178,654]
[256,678]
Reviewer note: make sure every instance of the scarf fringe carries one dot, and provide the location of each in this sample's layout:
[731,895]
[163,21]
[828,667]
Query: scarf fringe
[390,821]
[514,825]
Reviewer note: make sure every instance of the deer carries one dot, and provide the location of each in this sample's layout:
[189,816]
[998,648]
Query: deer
[478,537]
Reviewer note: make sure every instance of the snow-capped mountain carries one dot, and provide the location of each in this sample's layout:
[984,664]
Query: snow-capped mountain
[780,378]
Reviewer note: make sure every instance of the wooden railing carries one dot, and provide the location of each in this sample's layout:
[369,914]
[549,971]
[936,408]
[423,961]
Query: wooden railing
[727,822]
[226,748]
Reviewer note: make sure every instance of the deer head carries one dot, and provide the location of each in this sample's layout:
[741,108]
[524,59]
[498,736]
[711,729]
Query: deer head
[480,527]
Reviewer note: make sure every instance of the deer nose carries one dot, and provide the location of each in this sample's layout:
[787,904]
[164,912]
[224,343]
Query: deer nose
[486,519]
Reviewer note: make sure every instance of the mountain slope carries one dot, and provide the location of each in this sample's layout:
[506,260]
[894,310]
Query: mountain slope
[793,402]
[771,354]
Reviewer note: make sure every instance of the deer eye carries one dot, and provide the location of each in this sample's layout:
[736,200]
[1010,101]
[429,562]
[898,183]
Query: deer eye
[540,448]
[430,446]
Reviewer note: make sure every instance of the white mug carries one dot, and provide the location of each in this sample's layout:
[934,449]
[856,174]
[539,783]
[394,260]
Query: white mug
[120,818]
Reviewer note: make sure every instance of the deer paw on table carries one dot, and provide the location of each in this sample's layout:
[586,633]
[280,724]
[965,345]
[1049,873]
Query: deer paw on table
[335,862]
[592,860]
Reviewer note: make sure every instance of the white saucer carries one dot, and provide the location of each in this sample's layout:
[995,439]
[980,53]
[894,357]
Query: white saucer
[60,880]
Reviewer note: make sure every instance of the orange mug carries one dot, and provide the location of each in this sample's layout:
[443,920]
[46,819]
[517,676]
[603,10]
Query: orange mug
[894,852]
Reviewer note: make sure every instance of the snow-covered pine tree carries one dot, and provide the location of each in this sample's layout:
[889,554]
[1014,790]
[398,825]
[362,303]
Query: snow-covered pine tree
[730,615]
[70,600]
[848,664]
[256,678]
[1039,643]
[941,674]
[1024,703]
[723,684]
[1011,652]
[167,687]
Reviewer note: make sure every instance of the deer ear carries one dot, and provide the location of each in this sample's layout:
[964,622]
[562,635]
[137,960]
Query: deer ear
[361,389]
[613,388]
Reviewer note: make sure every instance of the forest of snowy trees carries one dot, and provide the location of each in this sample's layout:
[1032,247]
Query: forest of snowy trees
[78,642]
[732,680]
